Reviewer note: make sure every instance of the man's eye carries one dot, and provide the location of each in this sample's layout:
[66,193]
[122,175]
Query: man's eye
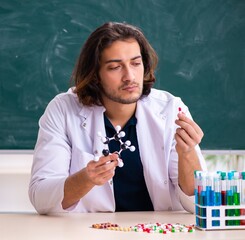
[114,68]
[136,63]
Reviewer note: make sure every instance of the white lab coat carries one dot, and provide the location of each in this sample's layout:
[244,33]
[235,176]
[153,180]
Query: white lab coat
[68,140]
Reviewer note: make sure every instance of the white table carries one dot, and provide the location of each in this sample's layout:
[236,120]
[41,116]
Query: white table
[31,226]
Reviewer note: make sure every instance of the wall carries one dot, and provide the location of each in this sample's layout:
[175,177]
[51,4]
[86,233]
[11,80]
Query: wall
[15,171]
[14,180]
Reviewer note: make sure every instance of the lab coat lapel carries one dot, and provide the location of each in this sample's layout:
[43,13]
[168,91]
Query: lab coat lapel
[151,146]
[93,122]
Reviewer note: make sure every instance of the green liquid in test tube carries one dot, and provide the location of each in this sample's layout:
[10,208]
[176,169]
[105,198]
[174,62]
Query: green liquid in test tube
[236,195]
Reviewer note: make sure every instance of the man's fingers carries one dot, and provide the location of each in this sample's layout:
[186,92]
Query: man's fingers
[105,159]
[190,127]
[102,170]
[184,120]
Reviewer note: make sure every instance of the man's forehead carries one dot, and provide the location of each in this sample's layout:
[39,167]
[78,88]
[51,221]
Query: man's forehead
[121,50]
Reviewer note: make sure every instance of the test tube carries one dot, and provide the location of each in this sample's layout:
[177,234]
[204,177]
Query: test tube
[209,189]
[236,195]
[203,198]
[217,196]
[229,197]
[197,191]
[236,188]
[198,187]
[242,211]
[223,187]
[217,189]
[243,188]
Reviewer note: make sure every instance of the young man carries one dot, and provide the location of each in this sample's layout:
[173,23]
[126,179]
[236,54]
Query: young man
[113,86]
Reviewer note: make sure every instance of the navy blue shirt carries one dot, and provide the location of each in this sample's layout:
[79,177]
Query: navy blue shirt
[130,189]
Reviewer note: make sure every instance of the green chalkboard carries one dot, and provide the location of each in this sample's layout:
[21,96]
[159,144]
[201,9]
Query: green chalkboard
[201,48]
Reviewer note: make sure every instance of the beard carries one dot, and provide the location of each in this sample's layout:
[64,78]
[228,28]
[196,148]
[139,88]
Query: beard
[115,96]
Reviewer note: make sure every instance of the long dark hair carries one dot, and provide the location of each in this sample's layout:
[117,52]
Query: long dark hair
[85,74]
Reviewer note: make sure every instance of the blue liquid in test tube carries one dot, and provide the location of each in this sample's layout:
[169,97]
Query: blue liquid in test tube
[217,195]
[217,189]
[210,189]
[203,198]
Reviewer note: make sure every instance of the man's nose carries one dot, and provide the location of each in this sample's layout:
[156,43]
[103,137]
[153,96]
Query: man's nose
[128,74]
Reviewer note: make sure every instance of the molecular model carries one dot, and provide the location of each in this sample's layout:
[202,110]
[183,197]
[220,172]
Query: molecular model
[123,145]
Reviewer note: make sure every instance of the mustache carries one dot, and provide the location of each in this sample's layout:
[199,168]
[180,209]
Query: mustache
[129,85]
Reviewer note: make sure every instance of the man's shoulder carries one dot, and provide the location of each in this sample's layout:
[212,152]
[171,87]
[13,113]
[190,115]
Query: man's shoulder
[160,100]
[65,100]
[160,96]
[69,94]
[69,102]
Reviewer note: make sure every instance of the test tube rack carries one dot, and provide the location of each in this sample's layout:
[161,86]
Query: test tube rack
[220,217]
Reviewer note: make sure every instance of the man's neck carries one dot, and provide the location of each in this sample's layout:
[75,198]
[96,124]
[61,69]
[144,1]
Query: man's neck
[120,114]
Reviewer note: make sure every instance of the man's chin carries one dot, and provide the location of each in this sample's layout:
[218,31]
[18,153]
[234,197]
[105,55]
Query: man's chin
[129,100]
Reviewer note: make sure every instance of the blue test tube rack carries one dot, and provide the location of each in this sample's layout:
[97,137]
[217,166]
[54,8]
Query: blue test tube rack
[220,200]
